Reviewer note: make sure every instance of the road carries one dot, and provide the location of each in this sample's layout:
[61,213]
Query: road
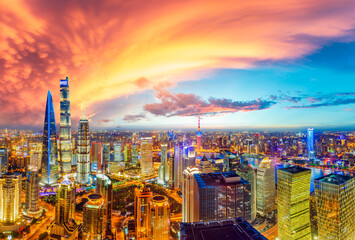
[272,233]
[39,228]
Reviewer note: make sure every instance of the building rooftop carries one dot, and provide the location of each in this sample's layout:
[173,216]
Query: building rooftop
[335,179]
[294,169]
[209,180]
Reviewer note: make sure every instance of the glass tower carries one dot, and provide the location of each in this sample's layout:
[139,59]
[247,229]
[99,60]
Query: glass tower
[32,192]
[10,197]
[163,168]
[83,164]
[3,161]
[293,185]
[335,196]
[142,212]
[310,143]
[49,174]
[65,127]
[94,218]
[104,187]
[146,156]
[160,213]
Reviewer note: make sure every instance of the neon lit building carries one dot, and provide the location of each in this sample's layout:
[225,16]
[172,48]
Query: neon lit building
[142,215]
[96,156]
[265,185]
[198,135]
[32,192]
[10,198]
[65,127]
[178,167]
[49,175]
[104,187]
[94,218]
[3,160]
[83,164]
[65,206]
[335,196]
[146,156]
[160,214]
[293,185]
[310,143]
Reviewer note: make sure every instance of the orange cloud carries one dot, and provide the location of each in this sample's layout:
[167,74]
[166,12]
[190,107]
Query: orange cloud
[105,46]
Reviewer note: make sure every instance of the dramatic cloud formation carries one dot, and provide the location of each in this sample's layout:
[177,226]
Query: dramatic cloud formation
[133,118]
[104,47]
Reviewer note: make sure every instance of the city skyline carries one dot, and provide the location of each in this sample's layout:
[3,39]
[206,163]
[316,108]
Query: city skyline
[153,65]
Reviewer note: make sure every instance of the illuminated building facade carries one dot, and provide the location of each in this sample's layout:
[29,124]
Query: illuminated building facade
[142,215]
[265,185]
[178,166]
[146,156]
[218,196]
[205,165]
[310,143]
[4,161]
[117,148]
[134,155]
[198,135]
[83,164]
[163,168]
[32,192]
[65,206]
[105,157]
[35,160]
[335,196]
[104,187]
[188,195]
[94,218]
[10,197]
[49,175]
[293,185]
[160,214]
[96,156]
[65,127]
[127,154]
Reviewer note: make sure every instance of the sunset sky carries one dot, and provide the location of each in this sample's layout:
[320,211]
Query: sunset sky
[159,64]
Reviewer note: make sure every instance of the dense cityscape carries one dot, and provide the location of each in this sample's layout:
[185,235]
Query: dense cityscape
[83,184]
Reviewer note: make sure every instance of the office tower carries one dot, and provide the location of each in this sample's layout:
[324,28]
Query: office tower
[65,127]
[218,196]
[127,154]
[49,175]
[142,215]
[65,206]
[83,165]
[247,172]
[265,185]
[163,168]
[94,218]
[105,157]
[3,161]
[293,185]
[74,158]
[146,156]
[189,157]
[171,172]
[96,156]
[117,148]
[178,170]
[32,192]
[104,187]
[335,196]
[35,160]
[10,198]
[205,165]
[134,155]
[188,194]
[198,135]
[235,228]
[310,143]
[160,213]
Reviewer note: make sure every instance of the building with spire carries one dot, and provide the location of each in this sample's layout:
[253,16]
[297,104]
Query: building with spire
[65,128]
[49,175]
[198,135]
[83,164]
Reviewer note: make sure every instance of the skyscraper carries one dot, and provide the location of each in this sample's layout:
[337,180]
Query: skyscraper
[49,175]
[3,161]
[127,154]
[96,156]
[83,164]
[335,196]
[163,168]
[105,157]
[104,187]
[117,148]
[293,185]
[265,185]
[10,198]
[160,223]
[32,192]
[134,155]
[178,166]
[142,215]
[188,194]
[310,143]
[65,206]
[94,218]
[205,165]
[65,127]
[146,156]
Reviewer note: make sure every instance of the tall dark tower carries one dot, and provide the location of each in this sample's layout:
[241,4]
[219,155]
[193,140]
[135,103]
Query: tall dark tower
[65,127]
[49,176]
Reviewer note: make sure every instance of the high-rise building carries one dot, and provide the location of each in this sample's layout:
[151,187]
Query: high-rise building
[105,157]
[96,156]
[218,196]
[134,155]
[35,160]
[178,166]
[248,173]
[171,172]
[83,164]
[293,185]
[189,194]
[205,165]
[65,127]
[335,196]
[265,187]
[94,218]
[49,175]
[310,143]
[65,206]
[117,148]
[10,198]
[3,161]
[160,213]
[32,192]
[146,156]
[127,154]
[142,215]
[104,187]
[163,168]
